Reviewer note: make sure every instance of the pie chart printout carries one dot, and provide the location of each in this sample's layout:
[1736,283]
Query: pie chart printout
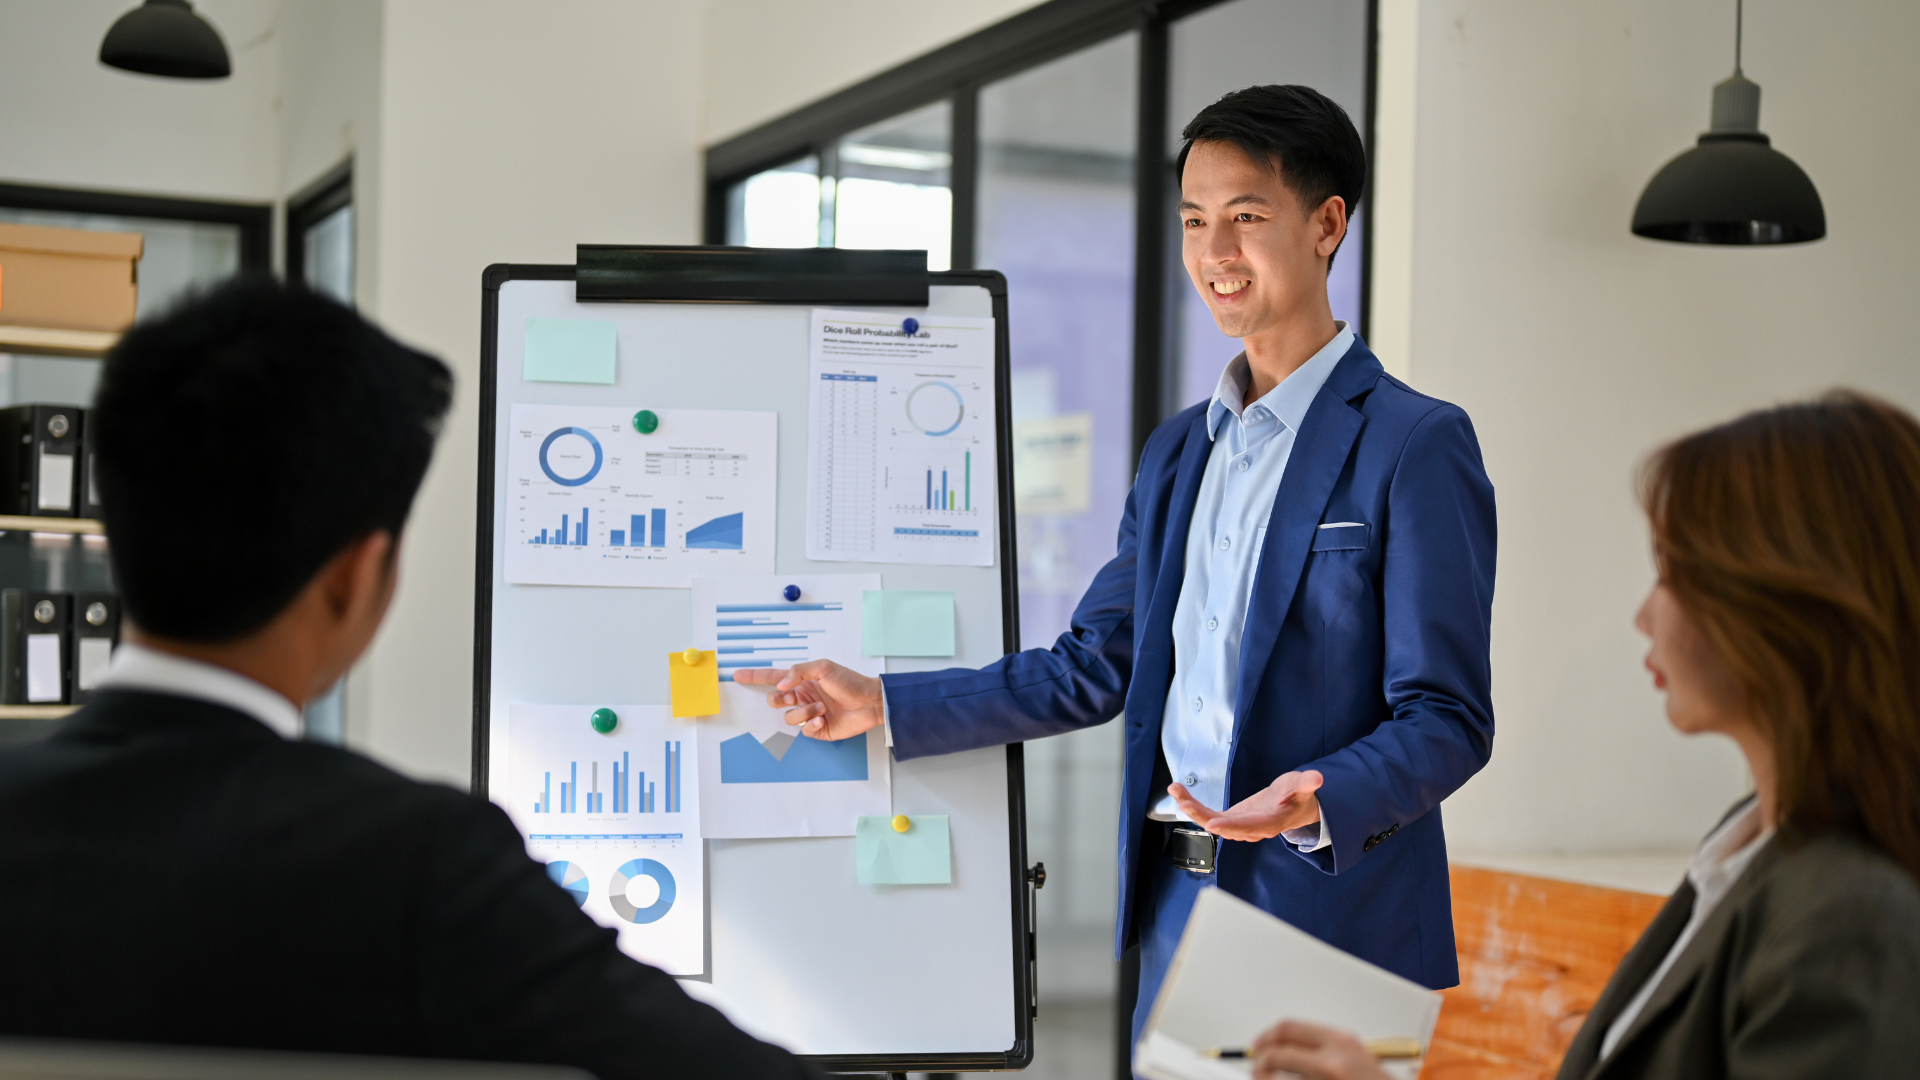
[591,500]
[630,871]
[613,812]
[571,877]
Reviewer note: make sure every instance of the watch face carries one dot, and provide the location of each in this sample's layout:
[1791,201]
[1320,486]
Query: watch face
[43,611]
[96,614]
[57,425]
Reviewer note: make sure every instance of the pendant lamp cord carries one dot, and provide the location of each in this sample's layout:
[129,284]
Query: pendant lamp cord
[1738,19]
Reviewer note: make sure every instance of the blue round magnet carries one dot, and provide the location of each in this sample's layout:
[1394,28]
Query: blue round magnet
[792,593]
[911,326]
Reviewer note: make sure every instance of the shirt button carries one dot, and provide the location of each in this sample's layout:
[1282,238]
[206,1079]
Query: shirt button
[1225,543]
[1243,465]
[1190,779]
[1213,624]
[1197,704]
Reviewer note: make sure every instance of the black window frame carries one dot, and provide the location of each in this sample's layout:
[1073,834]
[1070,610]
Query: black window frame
[254,219]
[332,191]
[956,72]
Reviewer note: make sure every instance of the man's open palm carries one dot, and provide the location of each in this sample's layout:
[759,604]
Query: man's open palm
[1286,804]
[825,700]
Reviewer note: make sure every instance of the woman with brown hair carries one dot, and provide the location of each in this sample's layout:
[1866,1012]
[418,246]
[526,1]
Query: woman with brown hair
[1787,618]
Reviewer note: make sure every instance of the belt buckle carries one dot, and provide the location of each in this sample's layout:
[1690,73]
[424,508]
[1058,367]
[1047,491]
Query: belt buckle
[1193,849]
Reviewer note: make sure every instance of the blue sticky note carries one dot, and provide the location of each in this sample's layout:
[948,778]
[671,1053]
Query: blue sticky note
[906,622]
[569,350]
[923,855]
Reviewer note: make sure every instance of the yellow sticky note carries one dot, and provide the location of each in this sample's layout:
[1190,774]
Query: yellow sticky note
[696,686]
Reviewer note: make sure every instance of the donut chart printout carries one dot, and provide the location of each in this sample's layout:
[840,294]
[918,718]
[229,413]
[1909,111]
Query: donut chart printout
[616,819]
[591,500]
[900,450]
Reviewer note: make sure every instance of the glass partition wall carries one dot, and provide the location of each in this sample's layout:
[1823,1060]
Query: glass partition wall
[1032,148]
[1055,214]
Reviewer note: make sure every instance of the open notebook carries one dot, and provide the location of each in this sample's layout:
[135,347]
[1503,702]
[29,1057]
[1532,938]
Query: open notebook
[1238,971]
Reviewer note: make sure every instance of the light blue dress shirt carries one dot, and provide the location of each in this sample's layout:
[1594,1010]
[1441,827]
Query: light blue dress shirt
[1251,446]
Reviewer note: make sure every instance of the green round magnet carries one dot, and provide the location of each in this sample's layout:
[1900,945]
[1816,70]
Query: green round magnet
[604,720]
[645,422]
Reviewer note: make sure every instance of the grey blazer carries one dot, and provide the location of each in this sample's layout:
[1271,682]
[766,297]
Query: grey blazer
[1810,967]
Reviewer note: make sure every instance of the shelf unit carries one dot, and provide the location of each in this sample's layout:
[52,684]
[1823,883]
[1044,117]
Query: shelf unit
[35,712]
[65,526]
[52,342]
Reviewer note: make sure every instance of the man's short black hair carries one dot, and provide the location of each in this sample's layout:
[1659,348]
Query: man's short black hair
[1296,129]
[246,438]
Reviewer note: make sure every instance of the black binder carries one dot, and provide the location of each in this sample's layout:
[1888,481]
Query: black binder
[36,637]
[40,460]
[86,495]
[96,631]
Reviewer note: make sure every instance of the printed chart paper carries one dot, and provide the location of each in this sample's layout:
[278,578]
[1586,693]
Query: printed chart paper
[758,776]
[900,449]
[616,818]
[592,501]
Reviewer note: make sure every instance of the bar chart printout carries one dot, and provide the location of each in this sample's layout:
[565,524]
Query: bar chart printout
[901,458]
[591,501]
[614,808]
[758,776]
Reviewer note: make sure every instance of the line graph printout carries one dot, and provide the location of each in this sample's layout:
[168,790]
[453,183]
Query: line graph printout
[900,448]
[615,816]
[592,499]
[758,776]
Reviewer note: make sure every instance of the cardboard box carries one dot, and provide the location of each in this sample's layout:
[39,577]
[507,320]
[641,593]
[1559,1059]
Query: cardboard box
[73,279]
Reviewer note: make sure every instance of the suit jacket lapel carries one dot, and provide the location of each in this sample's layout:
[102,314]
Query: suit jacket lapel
[1156,641]
[1320,451]
[1705,944]
[1634,969]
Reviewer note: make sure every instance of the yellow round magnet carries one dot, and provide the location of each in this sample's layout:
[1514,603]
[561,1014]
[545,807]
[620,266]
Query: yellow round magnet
[691,657]
[900,823]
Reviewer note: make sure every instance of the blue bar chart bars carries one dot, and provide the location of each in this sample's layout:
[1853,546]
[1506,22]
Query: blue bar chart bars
[659,528]
[947,497]
[569,534]
[625,786]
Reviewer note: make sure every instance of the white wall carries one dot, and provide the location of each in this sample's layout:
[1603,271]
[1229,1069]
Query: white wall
[768,57]
[329,107]
[69,120]
[1578,347]
[509,133]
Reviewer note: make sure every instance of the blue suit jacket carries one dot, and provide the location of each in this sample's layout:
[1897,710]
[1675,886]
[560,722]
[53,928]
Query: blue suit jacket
[1363,658]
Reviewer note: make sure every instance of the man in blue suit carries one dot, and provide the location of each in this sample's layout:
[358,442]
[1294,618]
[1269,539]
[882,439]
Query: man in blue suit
[1295,626]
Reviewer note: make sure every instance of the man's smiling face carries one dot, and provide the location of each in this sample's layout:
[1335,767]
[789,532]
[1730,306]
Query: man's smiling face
[1252,250]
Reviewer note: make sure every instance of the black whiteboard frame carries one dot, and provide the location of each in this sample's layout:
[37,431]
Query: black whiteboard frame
[1024,960]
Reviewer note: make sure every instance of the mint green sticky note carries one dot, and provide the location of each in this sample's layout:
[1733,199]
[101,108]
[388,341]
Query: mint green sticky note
[569,350]
[906,622]
[923,855]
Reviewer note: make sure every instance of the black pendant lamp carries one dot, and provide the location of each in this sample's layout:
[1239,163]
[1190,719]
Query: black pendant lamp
[166,37]
[1733,188]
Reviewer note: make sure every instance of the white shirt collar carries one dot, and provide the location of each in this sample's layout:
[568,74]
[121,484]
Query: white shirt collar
[138,668]
[1288,401]
[1725,853]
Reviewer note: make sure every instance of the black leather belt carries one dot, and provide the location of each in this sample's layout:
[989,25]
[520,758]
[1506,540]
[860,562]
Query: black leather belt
[1190,848]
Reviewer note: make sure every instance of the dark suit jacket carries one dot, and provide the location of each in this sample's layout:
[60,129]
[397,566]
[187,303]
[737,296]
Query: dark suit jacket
[1365,657]
[1809,967]
[172,871]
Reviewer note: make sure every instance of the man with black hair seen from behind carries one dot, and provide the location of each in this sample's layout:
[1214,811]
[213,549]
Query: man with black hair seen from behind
[1295,623]
[175,865]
